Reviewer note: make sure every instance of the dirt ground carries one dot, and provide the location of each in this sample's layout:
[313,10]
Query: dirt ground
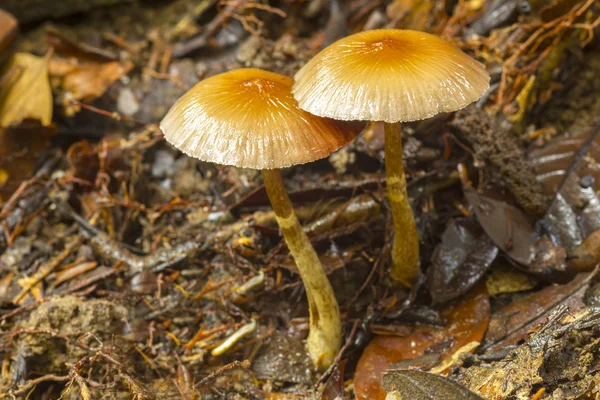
[124,263]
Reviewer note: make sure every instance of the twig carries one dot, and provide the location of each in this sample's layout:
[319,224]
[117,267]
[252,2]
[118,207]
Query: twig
[219,371]
[45,269]
[33,382]
[114,115]
[19,309]
[117,40]
[339,356]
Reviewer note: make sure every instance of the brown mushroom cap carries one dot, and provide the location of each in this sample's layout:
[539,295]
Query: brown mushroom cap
[389,75]
[249,118]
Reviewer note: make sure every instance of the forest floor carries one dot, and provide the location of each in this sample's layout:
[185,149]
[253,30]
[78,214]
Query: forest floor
[124,263]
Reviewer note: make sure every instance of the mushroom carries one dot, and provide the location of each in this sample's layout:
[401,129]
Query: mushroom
[393,76]
[248,118]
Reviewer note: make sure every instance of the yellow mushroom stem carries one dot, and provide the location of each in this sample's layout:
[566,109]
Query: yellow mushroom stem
[325,334]
[405,252]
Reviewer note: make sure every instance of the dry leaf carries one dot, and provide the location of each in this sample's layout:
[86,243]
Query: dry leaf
[418,385]
[86,81]
[516,321]
[466,322]
[9,28]
[504,278]
[27,94]
[21,149]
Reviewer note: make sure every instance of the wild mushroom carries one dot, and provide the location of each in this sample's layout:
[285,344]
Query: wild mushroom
[248,118]
[393,76]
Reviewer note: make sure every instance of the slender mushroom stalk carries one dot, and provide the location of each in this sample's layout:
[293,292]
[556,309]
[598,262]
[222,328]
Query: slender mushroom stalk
[248,118]
[324,338]
[405,251]
[393,76]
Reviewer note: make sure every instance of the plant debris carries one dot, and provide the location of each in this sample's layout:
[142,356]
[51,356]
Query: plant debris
[129,270]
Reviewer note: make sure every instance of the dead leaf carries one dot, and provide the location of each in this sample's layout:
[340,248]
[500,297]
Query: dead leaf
[466,322]
[419,385]
[585,256]
[334,388]
[504,278]
[9,28]
[514,322]
[506,225]
[27,95]
[82,51]
[460,260]
[562,358]
[552,161]
[21,149]
[414,14]
[556,8]
[86,81]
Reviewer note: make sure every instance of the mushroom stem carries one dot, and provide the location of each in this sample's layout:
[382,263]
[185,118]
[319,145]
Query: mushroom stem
[405,252]
[325,335]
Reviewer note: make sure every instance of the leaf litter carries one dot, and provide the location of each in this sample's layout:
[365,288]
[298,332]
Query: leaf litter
[129,271]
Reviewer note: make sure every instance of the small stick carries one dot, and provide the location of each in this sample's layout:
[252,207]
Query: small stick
[166,59]
[31,383]
[119,41]
[219,371]
[45,269]
[338,358]
[114,115]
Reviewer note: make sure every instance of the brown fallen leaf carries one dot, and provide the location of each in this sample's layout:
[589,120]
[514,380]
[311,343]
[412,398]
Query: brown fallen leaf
[504,278]
[514,322]
[334,387]
[71,48]
[414,14]
[509,227]
[585,256]
[27,94]
[466,322]
[419,385]
[85,81]
[562,358]
[9,28]
[21,150]
[460,260]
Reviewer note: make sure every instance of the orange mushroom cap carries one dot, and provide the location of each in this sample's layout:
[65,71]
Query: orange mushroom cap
[389,75]
[249,118]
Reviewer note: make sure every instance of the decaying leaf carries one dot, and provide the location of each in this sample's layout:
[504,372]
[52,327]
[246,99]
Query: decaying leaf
[573,220]
[334,388]
[506,225]
[419,385]
[562,357]
[552,161]
[413,14]
[465,322]
[514,322]
[77,49]
[9,28]
[460,260]
[585,256]
[21,149]
[86,81]
[504,278]
[27,94]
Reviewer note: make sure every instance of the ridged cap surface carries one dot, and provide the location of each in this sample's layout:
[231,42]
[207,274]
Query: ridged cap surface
[249,118]
[389,75]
